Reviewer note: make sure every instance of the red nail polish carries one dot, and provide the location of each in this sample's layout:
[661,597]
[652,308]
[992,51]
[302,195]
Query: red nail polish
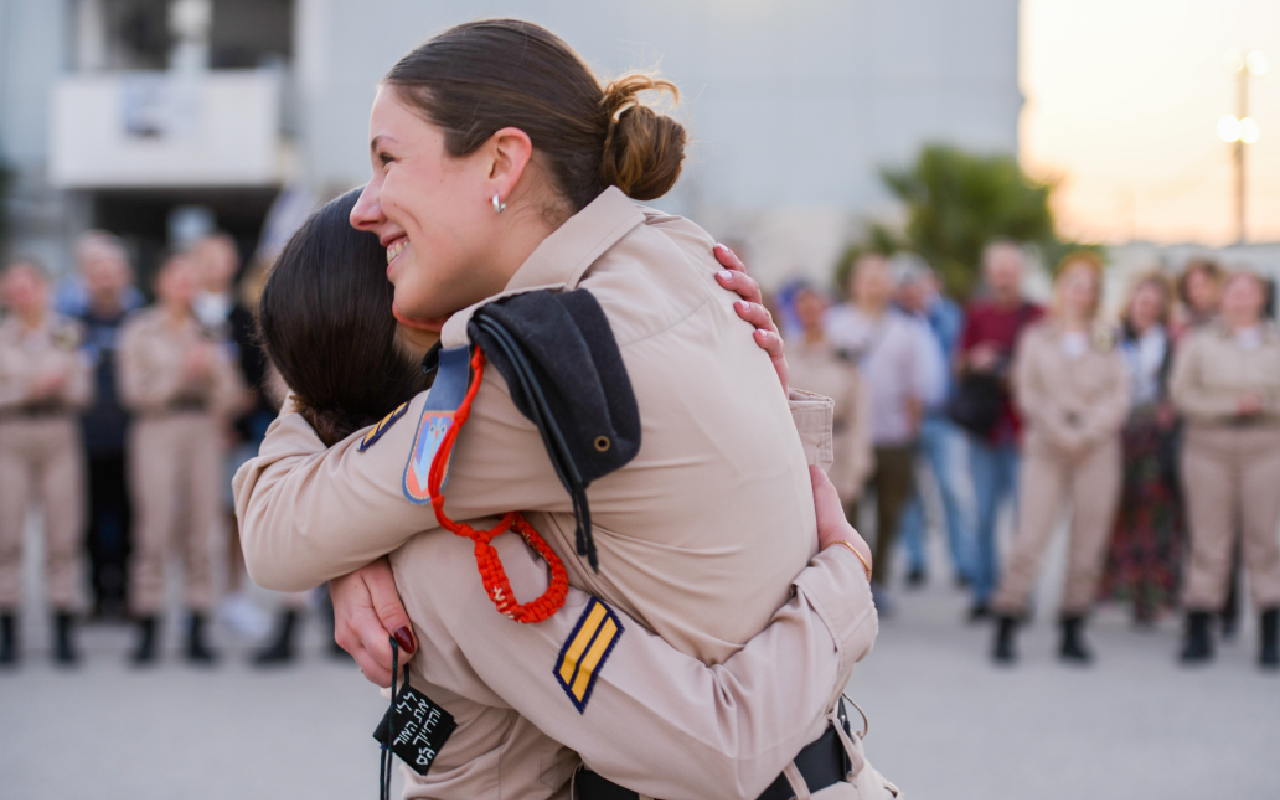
[404,638]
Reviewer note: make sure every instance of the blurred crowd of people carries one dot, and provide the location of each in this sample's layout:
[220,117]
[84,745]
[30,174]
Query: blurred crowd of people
[124,423]
[1158,434]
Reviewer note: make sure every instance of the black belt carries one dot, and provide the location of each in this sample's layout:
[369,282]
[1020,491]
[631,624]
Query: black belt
[822,762]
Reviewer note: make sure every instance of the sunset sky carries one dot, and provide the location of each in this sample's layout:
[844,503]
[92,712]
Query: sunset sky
[1123,99]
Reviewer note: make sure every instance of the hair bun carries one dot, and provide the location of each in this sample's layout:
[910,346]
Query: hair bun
[643,150]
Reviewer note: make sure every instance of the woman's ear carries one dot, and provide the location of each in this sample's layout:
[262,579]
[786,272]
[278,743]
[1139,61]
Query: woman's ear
[510,150]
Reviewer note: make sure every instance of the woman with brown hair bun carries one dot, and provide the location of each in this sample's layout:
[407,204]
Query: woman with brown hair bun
[1072,386]
[326,323]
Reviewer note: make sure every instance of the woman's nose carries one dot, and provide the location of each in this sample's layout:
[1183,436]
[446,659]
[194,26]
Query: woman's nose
[367,212]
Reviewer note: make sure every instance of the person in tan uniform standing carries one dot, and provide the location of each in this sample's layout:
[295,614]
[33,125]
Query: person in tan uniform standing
[44,382]
[1071,384]
[181,385]
[643,714]
[1226,384]
[815,366]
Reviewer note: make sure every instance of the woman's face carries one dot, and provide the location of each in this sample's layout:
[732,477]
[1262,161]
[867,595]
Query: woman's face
[430,211]
[1203,292]
[1146,305]
[1079,290]
[1242,301]
[178,282]
[24,289]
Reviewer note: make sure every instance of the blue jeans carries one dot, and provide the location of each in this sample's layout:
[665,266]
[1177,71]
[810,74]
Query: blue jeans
[937,437]
[995,480]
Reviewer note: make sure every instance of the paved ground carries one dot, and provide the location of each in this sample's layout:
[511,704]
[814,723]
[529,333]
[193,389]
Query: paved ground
[944,723]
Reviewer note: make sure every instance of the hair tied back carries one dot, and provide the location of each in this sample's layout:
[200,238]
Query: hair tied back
[643,150]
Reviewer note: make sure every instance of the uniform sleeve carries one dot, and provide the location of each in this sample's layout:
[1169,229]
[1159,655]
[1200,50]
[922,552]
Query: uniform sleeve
[227,392]
[813,415]
[15,380]
[308,515]
[1035,401]
[707,731]
[150,377]
[1190,395]
[1105,419]
[78,391]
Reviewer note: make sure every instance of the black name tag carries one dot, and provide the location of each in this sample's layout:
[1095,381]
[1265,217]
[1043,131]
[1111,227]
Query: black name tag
[415,729]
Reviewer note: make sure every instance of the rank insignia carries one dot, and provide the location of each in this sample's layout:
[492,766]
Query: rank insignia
[443,400]
[586,650]
[375,433]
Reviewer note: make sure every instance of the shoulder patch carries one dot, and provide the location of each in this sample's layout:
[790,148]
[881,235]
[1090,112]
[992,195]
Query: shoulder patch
[375,433]
[443,399]
[586,650]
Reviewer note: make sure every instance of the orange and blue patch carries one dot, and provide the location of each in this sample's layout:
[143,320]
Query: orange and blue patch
[375,433]
[586,650]
[446,395]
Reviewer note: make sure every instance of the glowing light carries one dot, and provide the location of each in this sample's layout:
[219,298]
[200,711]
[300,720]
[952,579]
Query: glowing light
[1248,130]
[1229,129]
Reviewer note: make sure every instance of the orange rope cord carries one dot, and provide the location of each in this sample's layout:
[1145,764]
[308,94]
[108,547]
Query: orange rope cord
[492,574]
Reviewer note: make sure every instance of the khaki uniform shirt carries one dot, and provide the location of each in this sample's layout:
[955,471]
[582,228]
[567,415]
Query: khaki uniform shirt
[153,381]
[816,367]
[1069,402]
[1213,370]
[26,356]
[655,720]
[699,537]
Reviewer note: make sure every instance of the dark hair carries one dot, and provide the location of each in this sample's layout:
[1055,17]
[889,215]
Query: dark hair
[1208,266]
[325,322]
[479,77]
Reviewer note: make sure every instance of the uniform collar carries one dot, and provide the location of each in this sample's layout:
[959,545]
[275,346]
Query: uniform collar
[561,260]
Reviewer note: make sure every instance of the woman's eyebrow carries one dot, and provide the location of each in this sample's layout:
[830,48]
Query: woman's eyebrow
[373,143]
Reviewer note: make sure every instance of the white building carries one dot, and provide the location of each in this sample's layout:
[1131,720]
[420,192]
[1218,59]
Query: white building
[793,105]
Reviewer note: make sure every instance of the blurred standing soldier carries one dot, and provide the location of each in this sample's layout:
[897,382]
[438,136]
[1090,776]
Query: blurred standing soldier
[815,367]
[1072,386]
[44,381]
[1226,383]
[232,324]
[181,384]
[105,273]
[991,330]
[887,348]
[1146,544]
[919,296]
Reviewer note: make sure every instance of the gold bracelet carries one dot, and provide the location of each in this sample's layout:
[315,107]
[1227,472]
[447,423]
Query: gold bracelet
[865,566]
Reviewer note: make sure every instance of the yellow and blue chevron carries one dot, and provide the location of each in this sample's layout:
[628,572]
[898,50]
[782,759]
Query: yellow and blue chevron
[586,650]
[375,433]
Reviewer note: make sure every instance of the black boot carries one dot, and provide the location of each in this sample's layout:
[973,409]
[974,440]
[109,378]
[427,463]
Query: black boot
[281,649]
[8,639]
[65,653]
[1003,650]
[1269,628]
[147,650]
[1073,649]
[1197,645]
[198,650]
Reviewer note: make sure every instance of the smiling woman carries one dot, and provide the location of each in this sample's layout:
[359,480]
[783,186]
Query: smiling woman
[502,167]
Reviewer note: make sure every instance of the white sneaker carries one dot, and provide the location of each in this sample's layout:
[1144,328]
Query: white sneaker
[239,613]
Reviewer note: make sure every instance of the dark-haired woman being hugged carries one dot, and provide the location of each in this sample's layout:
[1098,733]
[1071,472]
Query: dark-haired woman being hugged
[1226,384]
[501,166]
[1072,386]
[1145,552]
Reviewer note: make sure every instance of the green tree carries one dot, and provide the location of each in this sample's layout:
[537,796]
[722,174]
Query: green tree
[957,202]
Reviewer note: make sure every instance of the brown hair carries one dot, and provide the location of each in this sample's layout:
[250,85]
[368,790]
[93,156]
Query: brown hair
[1154,279]
[1208,266]
[479,77]
[1091,260]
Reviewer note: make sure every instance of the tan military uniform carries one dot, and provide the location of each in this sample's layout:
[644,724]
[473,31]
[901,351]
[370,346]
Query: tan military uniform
[815,367]
[1074,404]
[41,456]
[699,537]
[1230,464]
[175,451]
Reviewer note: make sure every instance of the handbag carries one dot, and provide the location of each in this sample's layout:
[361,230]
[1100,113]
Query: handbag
[976,403]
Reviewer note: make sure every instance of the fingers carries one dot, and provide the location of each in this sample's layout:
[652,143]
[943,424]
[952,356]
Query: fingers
[827,505]
[728,259]
[741,284]
[385,598]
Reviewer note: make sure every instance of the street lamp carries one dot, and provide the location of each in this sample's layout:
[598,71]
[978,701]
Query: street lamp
[1241,129]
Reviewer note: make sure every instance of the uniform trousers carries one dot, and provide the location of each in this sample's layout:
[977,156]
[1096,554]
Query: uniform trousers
[1089,484]
[175,465]
[41,459]
[1231,482]
[892,480]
